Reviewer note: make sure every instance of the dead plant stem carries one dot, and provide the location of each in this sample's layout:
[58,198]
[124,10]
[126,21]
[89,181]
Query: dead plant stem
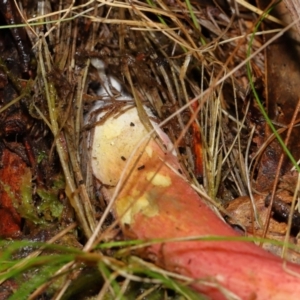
[71,190]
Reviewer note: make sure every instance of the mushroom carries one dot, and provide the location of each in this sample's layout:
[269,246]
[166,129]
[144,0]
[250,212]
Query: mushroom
[155,201]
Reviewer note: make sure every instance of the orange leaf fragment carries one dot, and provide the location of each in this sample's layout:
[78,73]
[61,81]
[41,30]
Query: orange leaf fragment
[13,167]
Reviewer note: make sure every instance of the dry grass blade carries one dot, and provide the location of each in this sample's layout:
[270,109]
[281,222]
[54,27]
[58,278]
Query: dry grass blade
[61,143]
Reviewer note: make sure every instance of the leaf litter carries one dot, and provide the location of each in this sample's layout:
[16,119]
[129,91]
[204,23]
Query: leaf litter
[186,63]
